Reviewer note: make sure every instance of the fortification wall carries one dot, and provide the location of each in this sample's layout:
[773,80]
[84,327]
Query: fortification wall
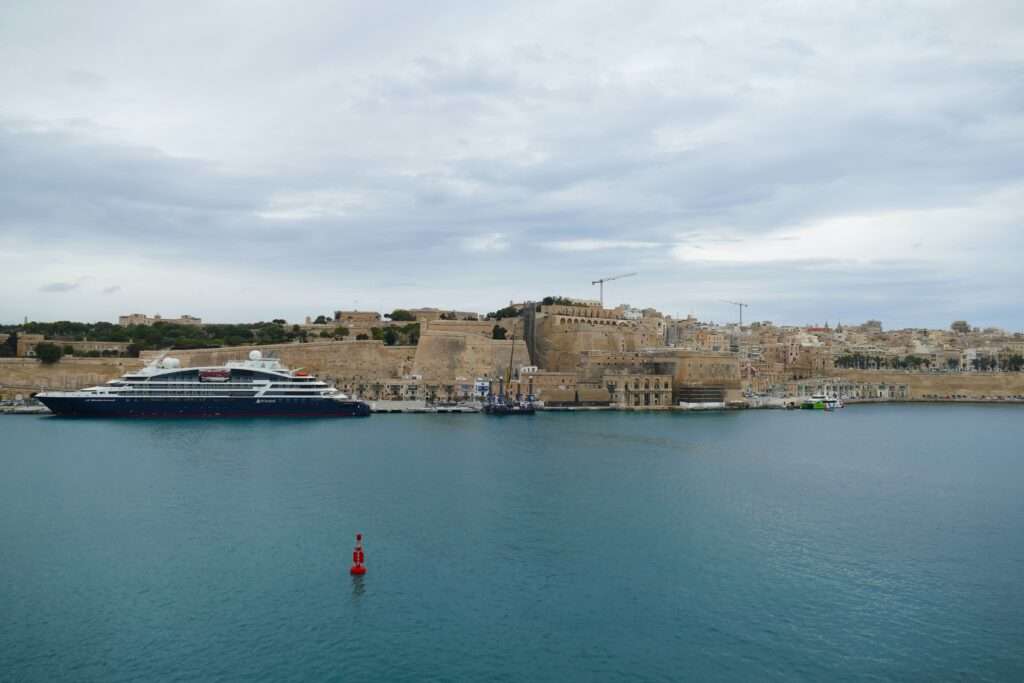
[483,328]
[28,375]
[330,360]
[923,385]
[559,341]
[448,356]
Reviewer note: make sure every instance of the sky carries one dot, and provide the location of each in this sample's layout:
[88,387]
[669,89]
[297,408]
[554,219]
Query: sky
[243,161]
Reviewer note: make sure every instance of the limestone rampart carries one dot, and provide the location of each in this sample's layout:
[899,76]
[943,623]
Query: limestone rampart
[483,328]
[331,360]
[28,375]
[451,356]
[928,385]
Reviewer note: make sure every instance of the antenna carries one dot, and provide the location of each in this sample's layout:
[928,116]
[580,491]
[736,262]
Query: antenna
[609,279]
[741,306]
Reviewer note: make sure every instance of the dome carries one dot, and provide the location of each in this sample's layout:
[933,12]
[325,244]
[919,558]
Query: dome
[255,355]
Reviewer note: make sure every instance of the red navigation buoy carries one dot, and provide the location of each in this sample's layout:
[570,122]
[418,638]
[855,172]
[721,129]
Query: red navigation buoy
[357,558]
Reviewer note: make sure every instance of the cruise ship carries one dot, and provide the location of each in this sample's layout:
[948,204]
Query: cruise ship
[251,388]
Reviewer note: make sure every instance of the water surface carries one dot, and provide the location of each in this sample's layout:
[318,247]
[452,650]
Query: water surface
[875,543]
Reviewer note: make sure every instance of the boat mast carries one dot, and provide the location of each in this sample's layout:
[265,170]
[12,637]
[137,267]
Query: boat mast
[508,375]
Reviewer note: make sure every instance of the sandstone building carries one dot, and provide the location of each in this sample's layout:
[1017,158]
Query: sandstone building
[143,319]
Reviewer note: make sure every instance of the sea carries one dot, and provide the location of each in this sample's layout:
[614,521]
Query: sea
[875,543]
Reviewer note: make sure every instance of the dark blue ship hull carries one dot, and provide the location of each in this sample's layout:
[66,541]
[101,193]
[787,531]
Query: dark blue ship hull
[75,406]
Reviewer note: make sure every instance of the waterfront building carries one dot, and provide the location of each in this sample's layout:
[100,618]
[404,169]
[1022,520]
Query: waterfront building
[639,391]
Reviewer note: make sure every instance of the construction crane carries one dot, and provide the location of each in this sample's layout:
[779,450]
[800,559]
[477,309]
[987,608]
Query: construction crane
[609,279]
[741,306]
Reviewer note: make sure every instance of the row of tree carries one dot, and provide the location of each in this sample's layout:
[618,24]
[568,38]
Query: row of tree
[406,335]
[860,361]
[163,335]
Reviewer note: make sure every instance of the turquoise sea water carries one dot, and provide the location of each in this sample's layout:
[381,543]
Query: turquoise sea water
[875,543]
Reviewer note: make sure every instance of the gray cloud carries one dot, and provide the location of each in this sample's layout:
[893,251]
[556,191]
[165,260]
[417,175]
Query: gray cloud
[59,287]
[817,166]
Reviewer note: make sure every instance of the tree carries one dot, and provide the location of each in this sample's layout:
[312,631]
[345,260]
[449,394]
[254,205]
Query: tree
[48,353]
[362,337]
[320,320]
[507,312]
[960,327]
[9,348]
[279,321]
[498,332]
[400,315]
[390,336]
[341,331]
[68,350]
[952,363]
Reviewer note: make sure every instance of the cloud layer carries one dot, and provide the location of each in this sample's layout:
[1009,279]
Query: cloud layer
[244,162]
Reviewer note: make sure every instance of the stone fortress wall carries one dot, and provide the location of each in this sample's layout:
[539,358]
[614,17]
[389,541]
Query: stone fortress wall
[27,375]
[459,356]
[926,386]
[337,360]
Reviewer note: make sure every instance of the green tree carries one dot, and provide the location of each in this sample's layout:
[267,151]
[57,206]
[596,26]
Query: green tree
[341,331]
[390,336]
[400,315]
[9,348]
[507,312]
[498,332]
[960,327]
[48,353]
[409,335]
[321,320]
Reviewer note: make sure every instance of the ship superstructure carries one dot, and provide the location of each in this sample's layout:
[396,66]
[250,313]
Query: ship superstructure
[253,387]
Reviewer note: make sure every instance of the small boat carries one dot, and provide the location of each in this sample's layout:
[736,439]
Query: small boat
[502,407]
[822,401]
[502,404]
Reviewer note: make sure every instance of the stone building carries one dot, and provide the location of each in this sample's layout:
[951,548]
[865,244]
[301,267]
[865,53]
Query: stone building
[696,376]
[349,318]
[143,319]
[639,391]
[426,314]
[26,347]
[27,343]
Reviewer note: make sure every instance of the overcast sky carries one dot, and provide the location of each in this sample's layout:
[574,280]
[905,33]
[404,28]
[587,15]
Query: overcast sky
[250,160]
